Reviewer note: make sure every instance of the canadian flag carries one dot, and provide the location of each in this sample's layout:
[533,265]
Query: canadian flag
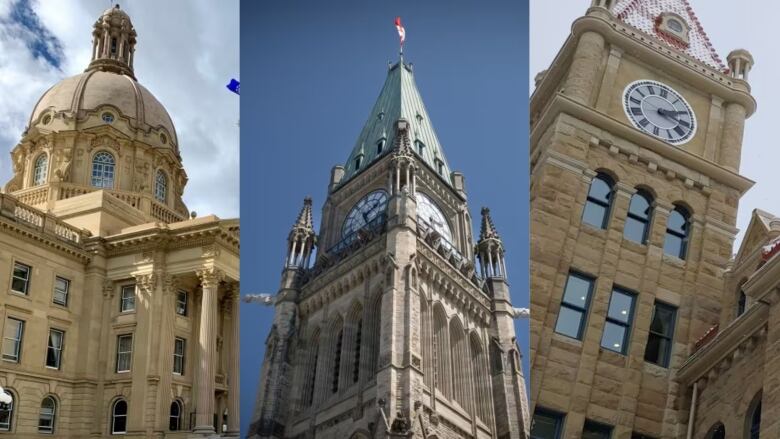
[401,30]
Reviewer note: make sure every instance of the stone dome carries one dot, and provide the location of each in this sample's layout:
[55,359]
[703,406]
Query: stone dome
[94,90]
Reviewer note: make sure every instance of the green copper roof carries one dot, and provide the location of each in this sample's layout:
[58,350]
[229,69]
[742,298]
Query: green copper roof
[399,99]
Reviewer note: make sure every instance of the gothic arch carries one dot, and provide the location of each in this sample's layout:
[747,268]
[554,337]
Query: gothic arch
[335,354]
[353,343]
[717,431]
[426,341]
[482,390]
[461,365]
[441,346]
[753,416]
[373,324]
[309,367]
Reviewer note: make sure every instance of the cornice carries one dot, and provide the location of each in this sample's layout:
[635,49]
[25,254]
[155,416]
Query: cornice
[32,235]
[561,104]
[724,347]
[161,236]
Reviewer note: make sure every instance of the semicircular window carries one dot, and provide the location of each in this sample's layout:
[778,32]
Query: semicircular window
[40,170]
[599,202]
[638,220]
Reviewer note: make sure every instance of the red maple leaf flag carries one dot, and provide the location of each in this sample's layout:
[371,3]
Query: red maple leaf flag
[401,30]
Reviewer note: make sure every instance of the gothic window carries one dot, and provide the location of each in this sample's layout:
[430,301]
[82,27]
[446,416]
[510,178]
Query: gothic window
[546,424]
[103,170]
[7,412]
[356,350]
[575,305]
[461,366]
[174,423]
[420,147]
[677,233]
[741,303]
[358,161]
[310,370]
[337,360]
[599,202]
[659,342]
[620,315]
[40,170]
[442,351]
[119,417]
[46,415]
[425,342]
[380,146]
[754,419]
[161,186]
[376,334]
[481,380]
[717,431]
[638,220]
[596,430]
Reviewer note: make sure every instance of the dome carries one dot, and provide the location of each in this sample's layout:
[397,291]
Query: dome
[92,90]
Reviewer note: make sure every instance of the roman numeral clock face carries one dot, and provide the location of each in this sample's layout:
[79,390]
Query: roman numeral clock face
[660,111]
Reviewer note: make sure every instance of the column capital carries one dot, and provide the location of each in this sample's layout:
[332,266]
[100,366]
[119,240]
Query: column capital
[210,277]
[170,283]
[108,288]
[146,282]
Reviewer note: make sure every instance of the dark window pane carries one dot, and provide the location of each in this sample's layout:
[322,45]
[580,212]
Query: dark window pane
[577,291]
[595,215]
[569,322]
[614,337]
[594,430]
[635,230]
[674,246]
[658,350]
[741,303]
[621,306]
[677,222]
[546,425]
[663,320]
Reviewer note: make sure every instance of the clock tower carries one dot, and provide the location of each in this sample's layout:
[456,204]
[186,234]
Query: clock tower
[402,325]
[636,136]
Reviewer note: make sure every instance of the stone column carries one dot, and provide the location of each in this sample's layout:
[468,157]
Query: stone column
[731,140]
[207,342]
[582,81]
[233,425]
[165,360]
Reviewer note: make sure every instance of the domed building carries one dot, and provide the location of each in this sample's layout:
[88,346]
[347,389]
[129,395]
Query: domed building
[120,309]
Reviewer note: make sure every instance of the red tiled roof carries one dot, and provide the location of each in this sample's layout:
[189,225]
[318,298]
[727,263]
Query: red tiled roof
[643,15]
[770,249]
[706,338]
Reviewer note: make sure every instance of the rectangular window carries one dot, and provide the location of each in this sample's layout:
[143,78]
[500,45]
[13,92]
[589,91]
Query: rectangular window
[546,424]
[178,355]
[596,430]
[127,300]
[659,342]
[61,289]
[620,316]
[12,340]
[575,304]
[124,352]
[54,348]
[20,282]
[181,303]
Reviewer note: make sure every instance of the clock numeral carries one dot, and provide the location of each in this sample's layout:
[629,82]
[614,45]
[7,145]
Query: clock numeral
[676,101]
[656,131]
[679,130]
[669,134]
[651,89]
[684,123]
[643,122]
[634,100]
[640,92]
[636,111]
[664,93]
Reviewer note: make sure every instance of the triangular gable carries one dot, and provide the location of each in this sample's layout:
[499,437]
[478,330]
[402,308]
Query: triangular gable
[757,234]
[643,15]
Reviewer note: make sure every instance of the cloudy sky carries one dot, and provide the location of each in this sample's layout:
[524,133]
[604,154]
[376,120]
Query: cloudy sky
[187,51]
[729,28]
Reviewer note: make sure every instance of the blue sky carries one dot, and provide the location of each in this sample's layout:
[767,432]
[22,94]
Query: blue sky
[310,74]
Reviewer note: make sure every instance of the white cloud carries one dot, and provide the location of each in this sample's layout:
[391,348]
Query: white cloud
[186,52]
[728,28]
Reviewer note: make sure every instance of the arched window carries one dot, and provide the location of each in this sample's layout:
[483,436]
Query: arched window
[310,371]
[358,340]
[425,342]
[337,340]
[599,202]
[119,417]
[677,231]
[175,419]
[638,220]
[47,415]
[754,421]
[717,431]
[461,366]
[40,170]
[741,303]
[481,381]
[103,170]
[7,413]
[161,186]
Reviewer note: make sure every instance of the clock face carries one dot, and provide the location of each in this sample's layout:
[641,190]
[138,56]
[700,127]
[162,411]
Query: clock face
[364,211]
[430,216]
[660,111]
